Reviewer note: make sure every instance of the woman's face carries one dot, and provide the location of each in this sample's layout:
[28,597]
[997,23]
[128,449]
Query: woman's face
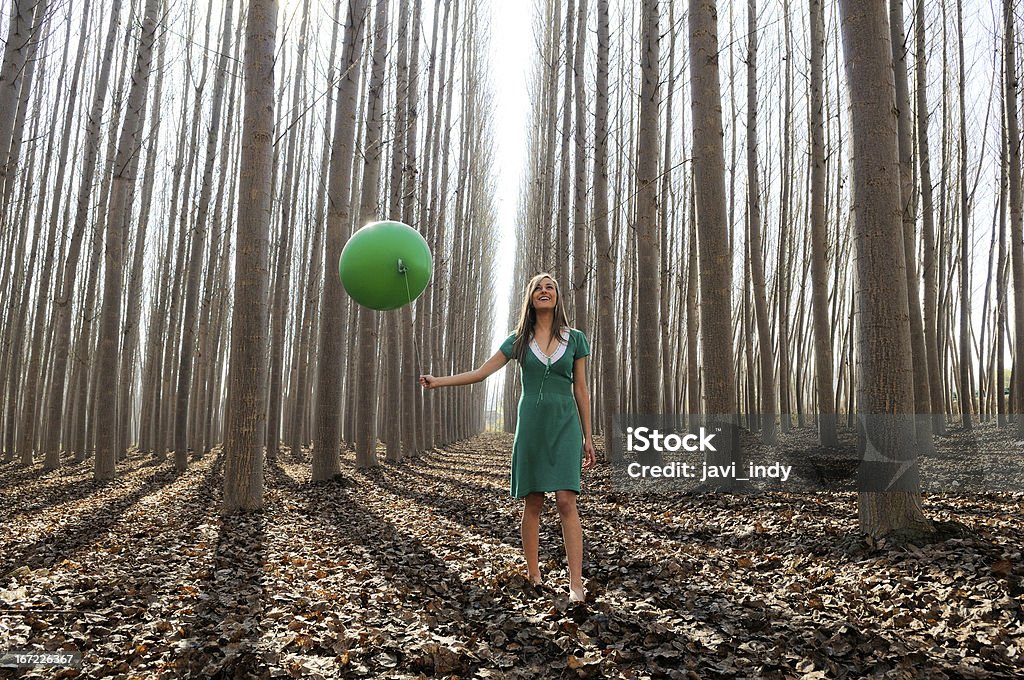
[544,295]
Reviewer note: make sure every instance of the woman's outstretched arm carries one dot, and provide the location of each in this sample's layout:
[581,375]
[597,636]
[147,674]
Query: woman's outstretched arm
[467,378]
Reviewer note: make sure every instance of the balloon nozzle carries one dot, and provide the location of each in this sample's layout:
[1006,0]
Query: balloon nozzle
[402,269]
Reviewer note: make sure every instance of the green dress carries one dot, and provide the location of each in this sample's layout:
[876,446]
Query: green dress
[547,452]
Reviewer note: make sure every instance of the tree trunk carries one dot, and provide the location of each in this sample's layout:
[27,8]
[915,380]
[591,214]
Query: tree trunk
[1016,211]
[327,427]
[909,204]
[715,267]
[197,236]
[785,216]
[580,282]
[63,299]
[368,334]
[927,229]
[128,148]
[885,390]
[26,19]
[648,352]
[965,388]
[819,236]
[764,337]
[609,376]
[282,277]
[245,436]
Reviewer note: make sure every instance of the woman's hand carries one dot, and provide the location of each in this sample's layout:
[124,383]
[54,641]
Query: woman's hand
[589,459]
[429,382]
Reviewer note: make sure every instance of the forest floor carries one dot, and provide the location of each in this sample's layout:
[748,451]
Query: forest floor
[415,570]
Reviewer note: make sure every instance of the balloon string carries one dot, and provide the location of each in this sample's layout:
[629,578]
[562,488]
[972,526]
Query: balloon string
[415,345]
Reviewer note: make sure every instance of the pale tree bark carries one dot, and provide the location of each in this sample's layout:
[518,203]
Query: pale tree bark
[88,349]
[439,214]
[666,232]
[182,214]
[561,255]
[819,237]
[609,375]
[26,20]
[368,335]
[423,332]
[885,388]
[693,406]
[546,178]
[579,283]
[130,340]
[909,202]
[33,377]
[928,264]
[282,278]
[213,310]
[196,237]
[61,316]
[128,148]
[18,305]
[709,185]
[327,421]
[314,281]
[1001,268]
[648,352]
[165,312]
[819,272]
[1016,210]
[964,389]
[412,405]
[10,146]
[785,237]
[764,337]
[245,436]
[394,383]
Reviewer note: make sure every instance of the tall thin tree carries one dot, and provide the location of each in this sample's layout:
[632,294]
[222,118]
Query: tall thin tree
[819,237]
[327,417]
[245,435]
[890,497]
[715,270]
[128,148]
[648,352]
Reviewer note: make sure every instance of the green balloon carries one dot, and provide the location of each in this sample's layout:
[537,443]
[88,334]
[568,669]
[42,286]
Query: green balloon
[385,265]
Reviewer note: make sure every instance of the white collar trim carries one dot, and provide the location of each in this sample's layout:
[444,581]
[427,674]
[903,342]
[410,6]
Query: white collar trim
[557,354]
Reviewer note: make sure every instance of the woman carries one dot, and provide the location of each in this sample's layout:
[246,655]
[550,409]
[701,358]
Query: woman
[553,435]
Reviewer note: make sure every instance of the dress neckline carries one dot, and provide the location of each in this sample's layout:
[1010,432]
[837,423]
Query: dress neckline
[563,343]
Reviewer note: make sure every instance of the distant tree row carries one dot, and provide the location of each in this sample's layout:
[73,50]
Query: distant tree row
[178,180]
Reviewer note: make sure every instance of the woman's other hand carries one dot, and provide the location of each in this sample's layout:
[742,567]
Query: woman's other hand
[429,382]
[589,459]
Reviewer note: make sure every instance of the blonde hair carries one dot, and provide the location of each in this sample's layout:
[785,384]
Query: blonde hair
[528,316]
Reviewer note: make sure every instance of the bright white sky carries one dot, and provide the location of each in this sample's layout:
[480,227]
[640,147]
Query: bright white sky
[512,50]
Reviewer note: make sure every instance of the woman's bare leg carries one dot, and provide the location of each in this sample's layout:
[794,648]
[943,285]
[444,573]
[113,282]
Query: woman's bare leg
[530,531]
[572,534]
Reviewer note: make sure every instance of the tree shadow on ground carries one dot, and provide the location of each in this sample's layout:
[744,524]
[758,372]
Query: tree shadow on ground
[471,607]
[460,461]
[27,501]
[488,520]
[432,587]
[223,641]
[13,474]
[84,531]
